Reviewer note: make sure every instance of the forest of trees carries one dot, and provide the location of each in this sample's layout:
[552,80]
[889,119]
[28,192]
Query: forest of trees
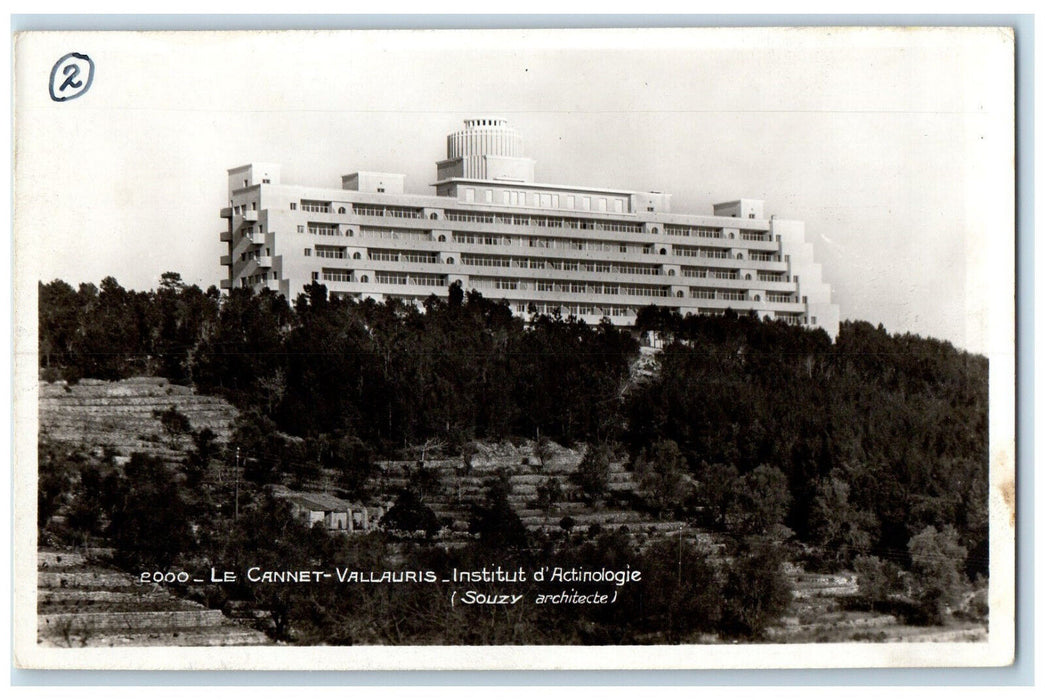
[869,453]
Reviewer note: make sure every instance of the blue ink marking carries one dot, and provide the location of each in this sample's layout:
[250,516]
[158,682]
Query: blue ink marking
[71,65]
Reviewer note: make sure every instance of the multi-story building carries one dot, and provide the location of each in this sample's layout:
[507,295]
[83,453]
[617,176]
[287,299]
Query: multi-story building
[590,252]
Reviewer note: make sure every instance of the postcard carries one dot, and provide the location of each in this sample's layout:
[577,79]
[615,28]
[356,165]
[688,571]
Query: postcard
[515,349]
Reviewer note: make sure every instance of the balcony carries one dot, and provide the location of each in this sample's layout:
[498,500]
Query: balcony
[226,259]
[225,236]
[250,215]
[256,238]
[225,284]
[264,260]
[226,212]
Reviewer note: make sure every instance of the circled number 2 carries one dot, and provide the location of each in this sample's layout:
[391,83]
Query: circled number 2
[71,77]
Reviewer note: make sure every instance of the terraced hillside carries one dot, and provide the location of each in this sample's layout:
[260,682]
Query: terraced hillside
[82,603]
[457,486]
[819,614]
[120,415]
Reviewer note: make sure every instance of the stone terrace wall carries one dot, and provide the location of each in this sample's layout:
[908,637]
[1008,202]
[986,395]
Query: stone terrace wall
[84,603]
[458,487]
[119,414]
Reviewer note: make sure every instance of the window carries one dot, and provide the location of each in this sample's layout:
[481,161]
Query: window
[671,273]
[380,189]
[602,204]
[433,216]
[751,216]
[488,196]
[364,279]
[253,206]
[442,238]
[571,202]
[356,255]
[654,230]
[449,261]
[618,206]
[265,181]
[308,252]
[469,194]
[679,294]
[315,276]
[293,206]
[301,229]
[244,183]
[340,210]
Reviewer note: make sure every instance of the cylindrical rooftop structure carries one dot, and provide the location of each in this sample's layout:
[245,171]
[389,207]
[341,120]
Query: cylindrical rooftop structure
[484,137]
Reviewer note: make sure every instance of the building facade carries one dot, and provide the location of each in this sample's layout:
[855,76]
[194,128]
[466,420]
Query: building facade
[589,252]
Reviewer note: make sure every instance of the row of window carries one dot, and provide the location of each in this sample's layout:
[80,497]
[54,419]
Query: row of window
[540,264]
[342,275]
[703,253]
[575,309]
[546,200]
[515,220]
[559,264]
[568,287]
[467,238]
[321,229]
[378,210]
[550,243]
[709,273]
[393,234]
[692,231]
[573,287]
[543,221]
[253,255]
[358,209]
[251,280]
[414,279]
[404,256]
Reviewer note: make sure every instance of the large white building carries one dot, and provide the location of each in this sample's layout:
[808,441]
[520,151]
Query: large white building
[590,252]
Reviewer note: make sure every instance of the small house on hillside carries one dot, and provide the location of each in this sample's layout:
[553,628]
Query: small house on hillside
[334,513]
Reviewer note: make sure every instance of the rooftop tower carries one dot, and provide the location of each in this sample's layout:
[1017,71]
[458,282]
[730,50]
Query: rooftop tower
[485,149]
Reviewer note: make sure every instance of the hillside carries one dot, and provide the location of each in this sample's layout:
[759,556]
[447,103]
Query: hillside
[121,415]
[90,603]
[82,603]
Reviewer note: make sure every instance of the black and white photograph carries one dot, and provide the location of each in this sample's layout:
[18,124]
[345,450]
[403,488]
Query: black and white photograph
[515,349]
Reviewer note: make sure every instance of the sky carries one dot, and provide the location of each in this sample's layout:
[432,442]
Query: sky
[893,146]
